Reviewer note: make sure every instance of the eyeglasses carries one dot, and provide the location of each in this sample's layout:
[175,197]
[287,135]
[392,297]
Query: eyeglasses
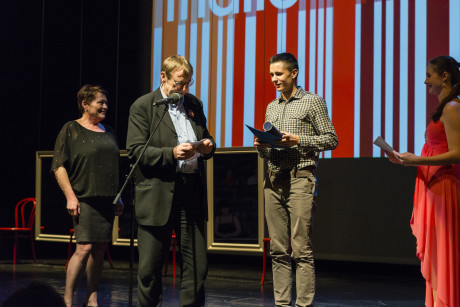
[182,84]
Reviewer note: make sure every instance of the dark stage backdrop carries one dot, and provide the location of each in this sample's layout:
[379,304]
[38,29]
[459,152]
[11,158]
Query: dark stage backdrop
[49,48]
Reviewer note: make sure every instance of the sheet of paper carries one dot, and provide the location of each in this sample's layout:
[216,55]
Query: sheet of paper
[195,144]
[197,154]
[380,142]
[264,136]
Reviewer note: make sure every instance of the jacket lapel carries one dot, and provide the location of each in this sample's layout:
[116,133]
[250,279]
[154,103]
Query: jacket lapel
[164,108]
[191,115]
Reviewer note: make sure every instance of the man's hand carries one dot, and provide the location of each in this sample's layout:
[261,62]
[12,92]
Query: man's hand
[183,151]
[120,208]
[259,144]
[288,139]
[205,147]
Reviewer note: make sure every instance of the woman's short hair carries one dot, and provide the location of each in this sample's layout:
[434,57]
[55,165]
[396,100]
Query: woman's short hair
[88,93]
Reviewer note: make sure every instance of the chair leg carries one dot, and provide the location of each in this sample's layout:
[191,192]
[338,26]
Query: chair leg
[264,263]
[174,257]
[173,244]
[108,257]
[32,245]
[15,247]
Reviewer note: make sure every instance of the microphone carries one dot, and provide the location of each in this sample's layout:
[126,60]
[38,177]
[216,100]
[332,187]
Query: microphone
[173,98]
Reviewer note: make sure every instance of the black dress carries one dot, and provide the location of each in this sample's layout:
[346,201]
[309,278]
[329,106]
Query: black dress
[91,160]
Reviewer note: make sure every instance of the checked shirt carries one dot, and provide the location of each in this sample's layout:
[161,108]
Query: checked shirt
[304,114]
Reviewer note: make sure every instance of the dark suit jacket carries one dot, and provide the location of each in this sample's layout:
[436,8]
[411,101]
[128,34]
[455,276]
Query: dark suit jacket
[156,173]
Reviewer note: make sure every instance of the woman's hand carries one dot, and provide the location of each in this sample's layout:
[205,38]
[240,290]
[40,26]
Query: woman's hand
[391,156]
[73,207]
[407,158]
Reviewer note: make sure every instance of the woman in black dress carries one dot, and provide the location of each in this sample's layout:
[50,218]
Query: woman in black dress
[86,160]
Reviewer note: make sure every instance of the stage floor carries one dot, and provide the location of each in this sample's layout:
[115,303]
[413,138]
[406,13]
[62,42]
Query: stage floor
[234,281]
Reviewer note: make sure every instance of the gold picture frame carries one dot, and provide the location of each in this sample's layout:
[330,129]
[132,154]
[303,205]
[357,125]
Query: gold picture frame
[61,223]
[246,155]
[237,162]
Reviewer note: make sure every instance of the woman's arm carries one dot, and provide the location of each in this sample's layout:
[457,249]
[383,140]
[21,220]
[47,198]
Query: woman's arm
[73,206]
[451,121]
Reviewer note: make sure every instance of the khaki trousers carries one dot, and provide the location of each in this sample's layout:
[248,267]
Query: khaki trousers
[289,210]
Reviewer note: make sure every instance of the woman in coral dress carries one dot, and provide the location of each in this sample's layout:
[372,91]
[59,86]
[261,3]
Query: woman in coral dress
[436,214]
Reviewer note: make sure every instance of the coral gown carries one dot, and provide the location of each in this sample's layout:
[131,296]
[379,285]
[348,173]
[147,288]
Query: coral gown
[436,222]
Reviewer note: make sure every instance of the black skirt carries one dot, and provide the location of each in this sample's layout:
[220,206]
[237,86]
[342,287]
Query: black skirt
[95,222]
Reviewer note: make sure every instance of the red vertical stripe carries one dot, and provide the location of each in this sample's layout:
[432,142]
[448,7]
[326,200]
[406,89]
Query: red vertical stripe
[342,76]
[323,94]
[367,72]
[238,78]
[292,29]
[437,39]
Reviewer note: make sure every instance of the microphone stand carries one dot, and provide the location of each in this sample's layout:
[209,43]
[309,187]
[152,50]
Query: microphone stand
[117,198]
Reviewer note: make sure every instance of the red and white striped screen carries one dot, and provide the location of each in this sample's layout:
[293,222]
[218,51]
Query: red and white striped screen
[367,58]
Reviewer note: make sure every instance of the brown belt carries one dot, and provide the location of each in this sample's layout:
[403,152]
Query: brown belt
[295,173]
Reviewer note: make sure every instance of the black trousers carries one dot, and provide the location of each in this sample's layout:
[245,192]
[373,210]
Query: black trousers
[187,220]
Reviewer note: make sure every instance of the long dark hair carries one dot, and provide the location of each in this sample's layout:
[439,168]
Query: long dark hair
[447,64]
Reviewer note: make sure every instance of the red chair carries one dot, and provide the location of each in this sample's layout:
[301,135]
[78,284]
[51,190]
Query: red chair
[173,244]
[264,264]
[69,251]
[23,225]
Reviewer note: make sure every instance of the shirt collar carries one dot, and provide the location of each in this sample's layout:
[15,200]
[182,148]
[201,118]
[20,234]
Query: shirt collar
[296,95]
[172,105]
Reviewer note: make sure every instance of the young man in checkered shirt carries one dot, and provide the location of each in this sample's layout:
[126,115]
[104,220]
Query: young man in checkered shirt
[290,184]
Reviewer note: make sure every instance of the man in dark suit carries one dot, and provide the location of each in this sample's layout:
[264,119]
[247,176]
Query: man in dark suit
[171,184]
